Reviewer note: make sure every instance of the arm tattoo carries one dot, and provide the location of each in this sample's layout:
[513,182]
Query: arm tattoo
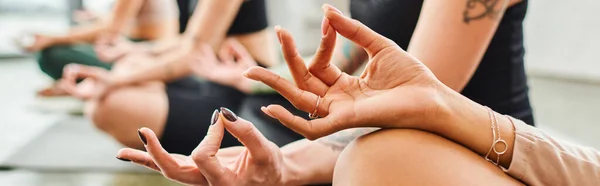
[479,9]
[338,141]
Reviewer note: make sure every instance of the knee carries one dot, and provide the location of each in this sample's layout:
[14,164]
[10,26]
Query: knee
[50,62]
[405,143]
[384,151]
[101,111]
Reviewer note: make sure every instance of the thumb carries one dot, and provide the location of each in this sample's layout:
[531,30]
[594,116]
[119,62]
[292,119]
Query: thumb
[205,154]
[355,31]
[259,147]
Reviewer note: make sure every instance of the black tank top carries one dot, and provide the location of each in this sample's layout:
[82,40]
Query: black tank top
[499,81]
[251,17]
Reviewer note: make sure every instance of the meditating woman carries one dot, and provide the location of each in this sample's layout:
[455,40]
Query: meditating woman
[430,134]
[138,20]
[161,92]
[471,53]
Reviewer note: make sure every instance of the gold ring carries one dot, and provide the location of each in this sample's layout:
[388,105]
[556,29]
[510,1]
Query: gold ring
[313,115]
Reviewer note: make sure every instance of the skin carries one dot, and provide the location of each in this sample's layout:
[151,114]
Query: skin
[119,23]
[105,105]
[428,114]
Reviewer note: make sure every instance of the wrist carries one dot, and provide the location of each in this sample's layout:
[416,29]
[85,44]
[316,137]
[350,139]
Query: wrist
[293,173]
[304,167]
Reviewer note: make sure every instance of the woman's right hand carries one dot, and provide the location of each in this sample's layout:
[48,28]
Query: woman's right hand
[233,60]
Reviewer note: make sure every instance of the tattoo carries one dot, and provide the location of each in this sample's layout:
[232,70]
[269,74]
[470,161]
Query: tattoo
[339,140]
[479,9]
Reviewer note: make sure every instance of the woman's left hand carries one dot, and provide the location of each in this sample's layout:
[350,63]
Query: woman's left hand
[233,59]
[395,90]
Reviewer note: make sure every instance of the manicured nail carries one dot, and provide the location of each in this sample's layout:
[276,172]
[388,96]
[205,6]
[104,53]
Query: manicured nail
[229,115]
[142,137]
[215,117]
[324,26]
[277,29]
[123,159]
[266,111]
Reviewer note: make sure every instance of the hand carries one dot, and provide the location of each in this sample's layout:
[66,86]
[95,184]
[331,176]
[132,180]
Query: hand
[395,90]
[259,163]
[97,81]
[110,49]
[40,42]
[233,61]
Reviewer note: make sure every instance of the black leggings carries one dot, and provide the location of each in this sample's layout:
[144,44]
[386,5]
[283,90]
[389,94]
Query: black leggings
[192,102]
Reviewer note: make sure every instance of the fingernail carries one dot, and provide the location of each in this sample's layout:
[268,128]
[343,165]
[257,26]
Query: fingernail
[266,111]
[229,115]
[215,117]
[277,28]
[123,159]
[142,137]
[328,6]
[324,26]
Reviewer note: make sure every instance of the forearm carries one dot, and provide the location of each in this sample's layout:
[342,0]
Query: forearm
[211,20]
[451,38]
[531,156]
[469,123]
[165,68]
[82,34]
[123,13]
[312,162]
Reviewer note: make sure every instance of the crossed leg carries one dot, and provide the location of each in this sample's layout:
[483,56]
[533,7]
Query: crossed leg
[412,157]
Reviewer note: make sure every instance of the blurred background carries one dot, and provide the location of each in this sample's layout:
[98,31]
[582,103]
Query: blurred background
[45,142]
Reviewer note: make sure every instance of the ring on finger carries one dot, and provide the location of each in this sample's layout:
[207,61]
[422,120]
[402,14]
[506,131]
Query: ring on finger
[313,115]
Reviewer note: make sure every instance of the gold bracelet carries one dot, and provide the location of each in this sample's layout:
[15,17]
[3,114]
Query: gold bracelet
[497,139]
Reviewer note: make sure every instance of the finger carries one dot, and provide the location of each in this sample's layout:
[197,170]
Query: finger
[312,129]
[260,148]
[208,53]
[161,157]
[303,79]
[76,71]
[205,154]
[301,99]
[225,53]
[241,54]
[138,157]
[320,65]
[356,31]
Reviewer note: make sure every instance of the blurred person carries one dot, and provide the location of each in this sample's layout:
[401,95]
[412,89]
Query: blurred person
[478,50]
[431,134]
[138,20]
[161,92]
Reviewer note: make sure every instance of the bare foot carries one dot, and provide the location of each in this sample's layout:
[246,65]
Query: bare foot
[52,91]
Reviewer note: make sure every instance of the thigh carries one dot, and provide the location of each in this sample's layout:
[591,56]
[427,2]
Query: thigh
[191,104]
[127,109]
[52,60]
[411,157]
